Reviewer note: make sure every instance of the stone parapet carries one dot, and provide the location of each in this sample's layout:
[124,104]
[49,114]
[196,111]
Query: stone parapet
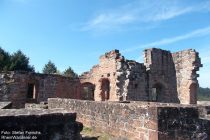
[139,120]
[39,124]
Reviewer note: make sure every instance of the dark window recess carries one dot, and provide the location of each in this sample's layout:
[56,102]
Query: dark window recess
[105,89]
[157,91]
[31,91]
[136,86]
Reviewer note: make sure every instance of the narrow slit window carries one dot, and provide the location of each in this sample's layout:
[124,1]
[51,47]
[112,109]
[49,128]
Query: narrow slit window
[154,94]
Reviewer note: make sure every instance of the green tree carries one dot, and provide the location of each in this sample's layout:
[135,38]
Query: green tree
[49,68]
[69,72]
[19,61]
[58,72]
[204,94]
[4,60]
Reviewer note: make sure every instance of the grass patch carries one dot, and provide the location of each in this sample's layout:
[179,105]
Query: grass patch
[87,130]
[90,134]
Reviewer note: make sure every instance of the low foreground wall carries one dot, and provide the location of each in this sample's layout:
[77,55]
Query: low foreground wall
[139,120]
[39,125]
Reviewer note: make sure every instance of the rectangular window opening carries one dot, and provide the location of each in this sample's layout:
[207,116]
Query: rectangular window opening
[31,91]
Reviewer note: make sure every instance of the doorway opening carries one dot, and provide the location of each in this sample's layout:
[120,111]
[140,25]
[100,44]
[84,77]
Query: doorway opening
[31,94]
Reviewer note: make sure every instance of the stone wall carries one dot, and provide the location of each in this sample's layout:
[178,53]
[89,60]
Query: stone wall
[118,119]
[126,78]
[182,123]
[164,77]
[131,81]
[139,120]
[186,64]
[14,86]
[6,80]
[39,124]
[161,75]
[41,105]
[105,73]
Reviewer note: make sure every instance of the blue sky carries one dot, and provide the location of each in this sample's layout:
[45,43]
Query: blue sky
[76,32]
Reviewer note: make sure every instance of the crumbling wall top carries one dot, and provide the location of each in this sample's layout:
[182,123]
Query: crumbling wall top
[114,54]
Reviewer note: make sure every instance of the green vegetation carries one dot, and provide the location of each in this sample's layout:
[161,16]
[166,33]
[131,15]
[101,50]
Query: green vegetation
[70,73]
[90,134]
[4,60]
[49,68]
[16,61]
[204,94]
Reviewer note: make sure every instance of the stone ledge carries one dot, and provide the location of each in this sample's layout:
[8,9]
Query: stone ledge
[36,112]
[5,105]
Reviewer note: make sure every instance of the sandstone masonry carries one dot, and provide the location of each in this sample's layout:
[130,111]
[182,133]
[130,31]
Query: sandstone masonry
[23,87]
[140,120]
[163,77]
[39,124]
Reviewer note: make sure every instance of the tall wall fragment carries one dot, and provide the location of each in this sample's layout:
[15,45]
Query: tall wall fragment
[187,63]
[125,78]
[161,75]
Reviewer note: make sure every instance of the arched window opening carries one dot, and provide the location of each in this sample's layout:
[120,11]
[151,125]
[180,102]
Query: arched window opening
[88,91]
[193,93]
[105,89]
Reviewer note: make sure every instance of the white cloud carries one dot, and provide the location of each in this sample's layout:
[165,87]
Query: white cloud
[166,41]
[105,21]
[142,12]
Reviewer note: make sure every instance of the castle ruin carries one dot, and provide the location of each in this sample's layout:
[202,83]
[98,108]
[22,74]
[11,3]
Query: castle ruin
[154,100]
[163,77]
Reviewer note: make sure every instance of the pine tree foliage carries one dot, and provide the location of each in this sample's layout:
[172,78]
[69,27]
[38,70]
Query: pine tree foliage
[15,62]
[19,61]
[69,72]
[49,68]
